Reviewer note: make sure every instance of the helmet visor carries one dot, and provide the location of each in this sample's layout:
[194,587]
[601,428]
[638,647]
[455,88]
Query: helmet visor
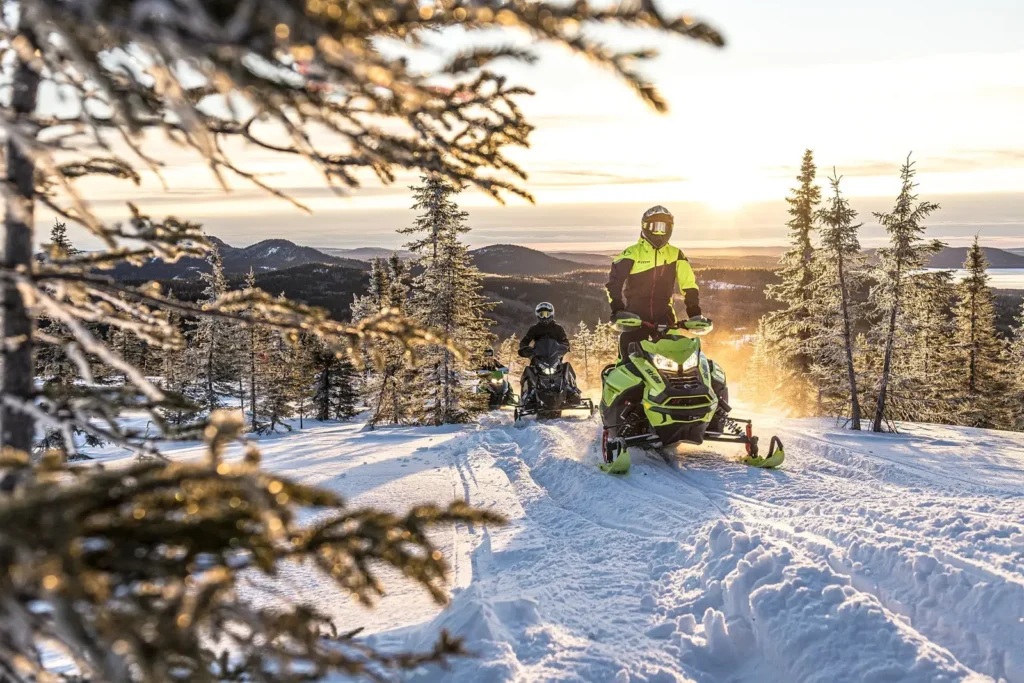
[545,313]
[657,227]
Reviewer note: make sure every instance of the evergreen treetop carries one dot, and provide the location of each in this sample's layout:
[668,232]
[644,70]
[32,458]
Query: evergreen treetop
[979,346]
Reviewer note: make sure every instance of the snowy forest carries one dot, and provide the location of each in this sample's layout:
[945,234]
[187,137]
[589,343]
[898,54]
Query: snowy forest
[879,341]
[133,573]
[231,485]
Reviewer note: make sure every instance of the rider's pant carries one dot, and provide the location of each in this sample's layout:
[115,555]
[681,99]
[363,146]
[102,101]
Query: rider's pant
[632,336]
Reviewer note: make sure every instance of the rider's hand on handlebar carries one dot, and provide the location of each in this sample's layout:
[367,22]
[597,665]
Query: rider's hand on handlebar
[698,322]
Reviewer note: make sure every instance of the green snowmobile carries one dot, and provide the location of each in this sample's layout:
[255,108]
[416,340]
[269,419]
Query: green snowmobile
[666,392]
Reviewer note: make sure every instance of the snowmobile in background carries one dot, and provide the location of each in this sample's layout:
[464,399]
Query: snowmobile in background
[499,392]
[548,388]
[670,392]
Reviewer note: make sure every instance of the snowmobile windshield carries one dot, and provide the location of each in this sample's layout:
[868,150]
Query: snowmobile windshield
[548,352]
[674,347]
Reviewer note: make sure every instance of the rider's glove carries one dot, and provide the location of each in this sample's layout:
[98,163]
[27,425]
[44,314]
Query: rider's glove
[698,322]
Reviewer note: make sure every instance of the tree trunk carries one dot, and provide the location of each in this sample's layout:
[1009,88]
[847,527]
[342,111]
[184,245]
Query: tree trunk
[211,395]
[848,342]
[883,383]
[252,376]
[18,428]
[323,408]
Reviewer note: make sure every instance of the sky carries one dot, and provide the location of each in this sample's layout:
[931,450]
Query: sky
[862,84]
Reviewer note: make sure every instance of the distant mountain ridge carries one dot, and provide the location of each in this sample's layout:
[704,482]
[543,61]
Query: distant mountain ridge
[365,253]
[268,255]
[953,258]
[511,259]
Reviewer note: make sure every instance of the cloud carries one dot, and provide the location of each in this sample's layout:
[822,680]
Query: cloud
[577,178]
[961,161]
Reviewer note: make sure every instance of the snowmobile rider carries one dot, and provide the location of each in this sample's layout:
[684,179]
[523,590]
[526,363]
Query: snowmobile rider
[490,363]
[546,328]
[645,276]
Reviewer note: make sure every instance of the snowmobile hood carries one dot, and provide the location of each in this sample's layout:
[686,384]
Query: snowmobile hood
[675,347]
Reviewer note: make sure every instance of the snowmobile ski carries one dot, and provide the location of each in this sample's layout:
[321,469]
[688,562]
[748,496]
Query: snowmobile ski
[620,465]
[615,455]
[776,456]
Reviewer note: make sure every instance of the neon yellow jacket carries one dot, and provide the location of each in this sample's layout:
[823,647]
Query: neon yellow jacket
[643,280]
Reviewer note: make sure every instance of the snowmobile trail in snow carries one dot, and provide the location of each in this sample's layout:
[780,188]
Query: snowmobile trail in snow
[865,557]
[706,570]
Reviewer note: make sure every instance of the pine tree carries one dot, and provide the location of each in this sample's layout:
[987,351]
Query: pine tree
[255,354]
[1015,363]
[299,76]
[212,357]
[508,353]
[789,326]
[906,254]
[927,390]
[55,365]
[176,377]
[583,347]
[445,298]
[832,312]
[60,245]
[978,346]
[606,344]
[760,378]
[302,383]
[335,394]
[388,371]
[277,385]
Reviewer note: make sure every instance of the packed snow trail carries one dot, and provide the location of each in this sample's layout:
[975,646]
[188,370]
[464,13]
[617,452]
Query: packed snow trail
[866,557]
[842,566]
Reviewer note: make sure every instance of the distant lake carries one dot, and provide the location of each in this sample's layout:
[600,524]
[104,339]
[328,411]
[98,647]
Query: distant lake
[1000,278]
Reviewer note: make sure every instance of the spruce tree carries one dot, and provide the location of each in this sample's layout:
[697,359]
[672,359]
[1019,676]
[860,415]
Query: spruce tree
[388,370]
[277,385]
[446,297]
[283,76]
[177,379]
[335,394]
[979,348]
[209,345]
[927,390]
[583,343]
[255,353]
[57,369]
[760,378]
[833,313]
[1015,363]
[508,354]
[790,325]
[606,344]
[907,253]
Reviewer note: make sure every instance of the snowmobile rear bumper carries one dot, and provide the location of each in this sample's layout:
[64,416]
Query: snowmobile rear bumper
[539,409]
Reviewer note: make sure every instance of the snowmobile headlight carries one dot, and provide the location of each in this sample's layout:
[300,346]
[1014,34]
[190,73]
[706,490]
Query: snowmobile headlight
[690,363]
[495,380]
[666,364]
[548,369]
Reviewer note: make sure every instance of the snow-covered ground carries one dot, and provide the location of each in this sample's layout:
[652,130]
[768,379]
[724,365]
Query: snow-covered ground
[865,558]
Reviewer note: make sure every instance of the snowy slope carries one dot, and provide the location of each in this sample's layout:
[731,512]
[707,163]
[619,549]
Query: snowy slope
[867,557]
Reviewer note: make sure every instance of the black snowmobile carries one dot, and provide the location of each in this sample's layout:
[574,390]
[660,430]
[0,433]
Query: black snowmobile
[548,384]
[495,384]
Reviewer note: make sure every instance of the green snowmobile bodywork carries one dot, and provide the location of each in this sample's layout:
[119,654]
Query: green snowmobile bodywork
[670,392]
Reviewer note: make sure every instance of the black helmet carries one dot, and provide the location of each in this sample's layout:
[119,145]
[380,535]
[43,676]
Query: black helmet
[545,311]
[656,226]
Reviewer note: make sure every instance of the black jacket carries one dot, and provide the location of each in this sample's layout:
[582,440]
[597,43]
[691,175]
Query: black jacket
[543,330]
